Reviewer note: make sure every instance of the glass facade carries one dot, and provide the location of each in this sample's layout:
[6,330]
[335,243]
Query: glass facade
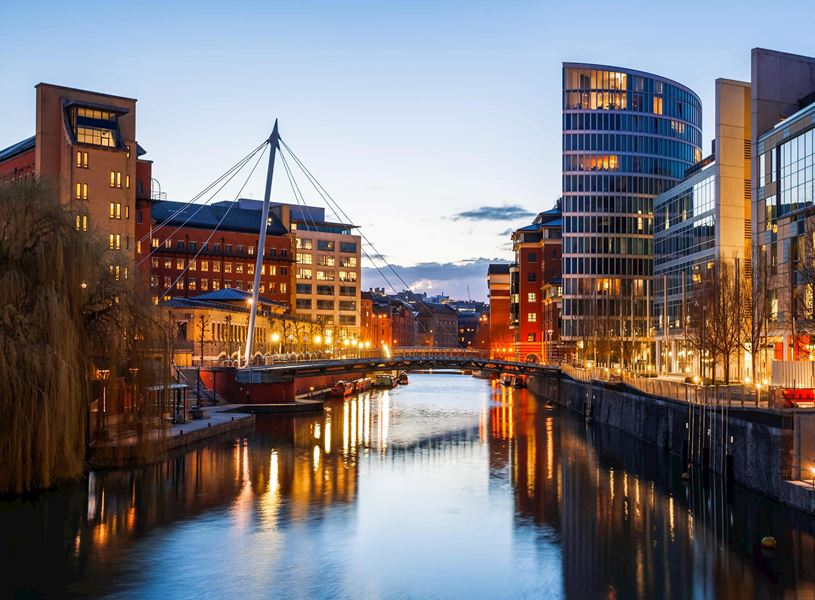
[684,244]
[627,137]
[786,195]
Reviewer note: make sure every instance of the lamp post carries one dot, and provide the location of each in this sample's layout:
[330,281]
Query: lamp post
[104,374]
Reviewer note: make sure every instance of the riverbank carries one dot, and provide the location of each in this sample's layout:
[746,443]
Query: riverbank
[131,451]
[752,446]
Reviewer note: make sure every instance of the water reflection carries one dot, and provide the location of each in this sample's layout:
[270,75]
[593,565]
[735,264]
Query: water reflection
[449,487]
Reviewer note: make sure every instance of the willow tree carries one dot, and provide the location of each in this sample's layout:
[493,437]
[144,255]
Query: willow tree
[66,314]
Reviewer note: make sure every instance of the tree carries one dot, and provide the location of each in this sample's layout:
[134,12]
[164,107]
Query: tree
[203,323]
[757,303]
[69,319]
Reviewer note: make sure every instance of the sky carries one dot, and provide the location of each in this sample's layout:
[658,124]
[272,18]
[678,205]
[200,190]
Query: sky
[435,125]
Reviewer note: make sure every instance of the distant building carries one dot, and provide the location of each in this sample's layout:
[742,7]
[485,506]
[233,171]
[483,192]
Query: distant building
[84,144]
[437,325]
[501,338]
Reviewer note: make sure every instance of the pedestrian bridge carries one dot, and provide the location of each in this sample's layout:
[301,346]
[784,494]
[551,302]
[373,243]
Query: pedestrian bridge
[462,361]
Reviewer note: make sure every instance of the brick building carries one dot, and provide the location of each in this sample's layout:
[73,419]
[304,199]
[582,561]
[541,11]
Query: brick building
[85,146]
[537,261]
[180,236]
[500,336]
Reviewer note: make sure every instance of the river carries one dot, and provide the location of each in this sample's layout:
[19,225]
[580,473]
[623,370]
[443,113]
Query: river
[450,487]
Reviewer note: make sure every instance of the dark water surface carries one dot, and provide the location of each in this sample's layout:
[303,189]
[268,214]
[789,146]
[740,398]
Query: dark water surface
[446,488]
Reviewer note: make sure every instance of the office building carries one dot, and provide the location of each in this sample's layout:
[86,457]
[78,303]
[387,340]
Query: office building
[627,137]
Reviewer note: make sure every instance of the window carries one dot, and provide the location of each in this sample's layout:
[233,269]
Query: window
[154,242]
[193,246]
[325,245]
[115,241]
[304,244]
[304,259]
[532,277]
[240,249]
[326,260]
[303,273]
[238,267]
[303,288]
[127,181]
[127,212]
[325,275]
[349,247]
[153,281]
[531,317]
[532,257]
[348,320]
[204,284]
[216,248]
[348,275]
[168,263]
[250,250]
[227,267]
[191,285]
[348,290]
[284,287]
[81,159]
[180,244]
[81,191]
[304,303]
[216,285]
[192,265]
[168,282]
[325,290]
[95,136]
[250,268]
[168,243]
[531,337]
[530,297]
[205,265]
[348,261]
[116,179]
[154,263]
[115,210]
[348,305]
[216,266]
[325,305]
[179,264]
[228,249]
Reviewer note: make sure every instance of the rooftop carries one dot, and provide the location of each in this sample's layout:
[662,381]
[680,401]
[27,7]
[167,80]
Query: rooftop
[207,216]
[18,148]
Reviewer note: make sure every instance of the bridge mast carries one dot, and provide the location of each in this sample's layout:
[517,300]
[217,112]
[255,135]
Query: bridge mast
[274,146]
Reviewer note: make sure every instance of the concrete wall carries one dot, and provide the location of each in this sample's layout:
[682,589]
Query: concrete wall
[760,455]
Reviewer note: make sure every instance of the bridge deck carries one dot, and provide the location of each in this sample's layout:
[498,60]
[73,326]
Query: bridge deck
[270,373]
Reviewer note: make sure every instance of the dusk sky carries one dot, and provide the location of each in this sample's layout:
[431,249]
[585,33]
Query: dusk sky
[436,125]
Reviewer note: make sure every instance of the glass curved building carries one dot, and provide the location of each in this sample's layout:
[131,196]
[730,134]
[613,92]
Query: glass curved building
[627,137]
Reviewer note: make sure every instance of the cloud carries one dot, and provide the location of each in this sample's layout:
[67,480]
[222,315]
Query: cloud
[450,278]
[508,212]
[506,232]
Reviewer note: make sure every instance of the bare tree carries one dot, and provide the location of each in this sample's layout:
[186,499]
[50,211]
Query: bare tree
[757,303]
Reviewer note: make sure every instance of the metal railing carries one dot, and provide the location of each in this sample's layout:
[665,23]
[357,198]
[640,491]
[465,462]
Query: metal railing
[711,395]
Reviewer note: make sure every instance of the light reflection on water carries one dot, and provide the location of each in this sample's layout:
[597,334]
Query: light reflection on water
[449,487]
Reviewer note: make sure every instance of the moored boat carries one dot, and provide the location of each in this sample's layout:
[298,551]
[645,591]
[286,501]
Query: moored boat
[363,384]
[385,380]
[402,378]
[341,389]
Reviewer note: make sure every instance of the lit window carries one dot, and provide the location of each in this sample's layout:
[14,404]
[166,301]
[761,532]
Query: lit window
[531,317]
[205,265]
[154,243]
[227,267]
[127,181]
[530,296]
[179,264]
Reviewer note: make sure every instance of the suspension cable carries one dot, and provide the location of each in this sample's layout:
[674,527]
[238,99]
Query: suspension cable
[214,231]
[327,198]
[239,165]
[153,250]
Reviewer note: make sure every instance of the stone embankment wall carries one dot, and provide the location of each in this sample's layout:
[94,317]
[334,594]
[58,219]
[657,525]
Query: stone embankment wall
[752,446]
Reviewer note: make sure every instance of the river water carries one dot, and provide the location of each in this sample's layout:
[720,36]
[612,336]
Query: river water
[450,487]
